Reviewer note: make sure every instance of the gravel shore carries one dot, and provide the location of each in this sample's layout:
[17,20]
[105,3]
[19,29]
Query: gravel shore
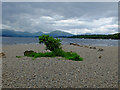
[99,69]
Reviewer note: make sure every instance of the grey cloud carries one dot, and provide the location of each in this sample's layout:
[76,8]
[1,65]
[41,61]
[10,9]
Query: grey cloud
[41,16]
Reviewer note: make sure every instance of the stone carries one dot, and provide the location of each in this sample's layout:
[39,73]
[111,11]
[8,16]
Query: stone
[74,44]
[100,57]
[100,49]
[2,55]
[28,52]
[92,47]
[86,46]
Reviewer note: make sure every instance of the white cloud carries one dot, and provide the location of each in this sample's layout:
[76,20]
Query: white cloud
[78,26]
[2,26]
[71,25]
[47,18]
[103,21]
[106,29]
[79,21]
[69,22]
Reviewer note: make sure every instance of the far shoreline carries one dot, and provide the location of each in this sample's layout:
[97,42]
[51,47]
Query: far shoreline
[58,37]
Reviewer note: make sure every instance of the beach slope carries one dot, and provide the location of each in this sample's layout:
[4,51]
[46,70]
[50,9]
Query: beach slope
[99,69]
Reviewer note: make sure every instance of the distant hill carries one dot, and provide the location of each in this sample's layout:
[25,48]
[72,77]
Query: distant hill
[11,33]
[59,34]
[37,34]
[87,34]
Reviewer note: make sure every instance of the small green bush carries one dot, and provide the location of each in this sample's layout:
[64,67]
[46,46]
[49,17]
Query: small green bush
[46,54]
[68,55]
[50,42]
[73,56]
[57,52]
[36,55]
[54,46]
[18,56]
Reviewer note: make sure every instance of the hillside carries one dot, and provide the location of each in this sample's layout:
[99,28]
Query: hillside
[59,34]
[12,33]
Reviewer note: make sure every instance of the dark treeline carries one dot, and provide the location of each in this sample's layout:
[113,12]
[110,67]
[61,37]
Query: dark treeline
[96,36]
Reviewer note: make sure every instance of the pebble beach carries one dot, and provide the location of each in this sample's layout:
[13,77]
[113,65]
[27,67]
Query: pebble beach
[99,69]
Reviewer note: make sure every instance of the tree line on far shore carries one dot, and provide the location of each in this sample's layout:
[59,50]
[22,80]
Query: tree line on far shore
[97,36]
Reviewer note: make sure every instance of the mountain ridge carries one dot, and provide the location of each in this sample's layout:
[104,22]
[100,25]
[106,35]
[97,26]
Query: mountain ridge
[12,33]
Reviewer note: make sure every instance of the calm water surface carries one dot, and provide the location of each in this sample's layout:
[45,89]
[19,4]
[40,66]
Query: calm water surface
[96,42]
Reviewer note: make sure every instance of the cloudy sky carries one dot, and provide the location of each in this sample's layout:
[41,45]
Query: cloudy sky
[75,18]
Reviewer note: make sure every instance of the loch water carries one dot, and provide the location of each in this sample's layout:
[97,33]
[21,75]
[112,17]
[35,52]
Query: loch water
[33,40]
